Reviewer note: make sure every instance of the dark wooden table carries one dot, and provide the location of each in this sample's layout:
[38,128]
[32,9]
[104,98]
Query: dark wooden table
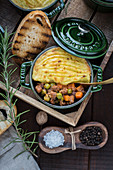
[99,108]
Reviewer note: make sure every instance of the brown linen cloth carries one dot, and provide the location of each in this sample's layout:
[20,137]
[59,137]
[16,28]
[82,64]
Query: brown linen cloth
[6,155]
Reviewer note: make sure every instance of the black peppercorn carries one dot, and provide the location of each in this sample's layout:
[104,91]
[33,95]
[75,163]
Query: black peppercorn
[91,136]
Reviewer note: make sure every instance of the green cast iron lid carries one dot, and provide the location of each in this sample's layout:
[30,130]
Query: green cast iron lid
[109,1]
[80,37]
[105,3]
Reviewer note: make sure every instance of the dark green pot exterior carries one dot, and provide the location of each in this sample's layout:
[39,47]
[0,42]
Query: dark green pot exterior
[48,104]
[100,5]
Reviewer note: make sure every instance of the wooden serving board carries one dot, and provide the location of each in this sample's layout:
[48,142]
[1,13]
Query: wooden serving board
[71,118]
[73,9]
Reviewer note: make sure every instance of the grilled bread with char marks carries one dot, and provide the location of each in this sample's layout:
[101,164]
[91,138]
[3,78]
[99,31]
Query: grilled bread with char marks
[31,37]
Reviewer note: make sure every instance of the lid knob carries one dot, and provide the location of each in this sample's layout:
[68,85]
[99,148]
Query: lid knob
[83,30]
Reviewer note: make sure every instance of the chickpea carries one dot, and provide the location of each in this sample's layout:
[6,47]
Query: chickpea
[47,86]
[46,98]
[62,98]
[52,84]
[59,95]
[43,92]
[69,91]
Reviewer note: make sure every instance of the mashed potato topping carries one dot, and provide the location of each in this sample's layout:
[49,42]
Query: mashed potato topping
[33,4]
[58,66]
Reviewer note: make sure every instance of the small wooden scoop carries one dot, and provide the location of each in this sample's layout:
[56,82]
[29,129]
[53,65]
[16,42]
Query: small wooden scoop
[109,81]
[68,140]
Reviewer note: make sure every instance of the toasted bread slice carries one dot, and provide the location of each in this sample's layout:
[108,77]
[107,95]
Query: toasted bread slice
[31,37]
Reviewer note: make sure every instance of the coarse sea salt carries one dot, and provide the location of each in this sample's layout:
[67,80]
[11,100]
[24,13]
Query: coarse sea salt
[53,139]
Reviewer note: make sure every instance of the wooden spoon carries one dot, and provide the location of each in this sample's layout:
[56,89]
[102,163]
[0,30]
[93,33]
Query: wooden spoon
[68,141]
[109,81]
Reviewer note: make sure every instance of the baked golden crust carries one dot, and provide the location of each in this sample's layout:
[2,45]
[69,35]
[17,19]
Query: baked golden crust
[56,65]
[33,4]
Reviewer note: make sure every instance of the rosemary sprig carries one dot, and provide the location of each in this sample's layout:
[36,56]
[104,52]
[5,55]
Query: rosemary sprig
[6,75]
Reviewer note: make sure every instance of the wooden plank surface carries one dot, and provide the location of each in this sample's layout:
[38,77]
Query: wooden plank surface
[102,101]
[105,23]
[76,8]
[69,160]
[103,112]
[99,108]
[9,16]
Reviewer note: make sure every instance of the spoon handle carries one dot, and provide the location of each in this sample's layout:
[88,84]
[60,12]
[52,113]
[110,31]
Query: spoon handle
[109,81]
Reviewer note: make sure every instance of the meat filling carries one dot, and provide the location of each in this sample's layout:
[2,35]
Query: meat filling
[60,94]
